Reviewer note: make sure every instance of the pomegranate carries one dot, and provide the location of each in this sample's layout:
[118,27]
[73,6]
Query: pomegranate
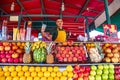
[10,60]
[8,55]
[2,55]
[16,60]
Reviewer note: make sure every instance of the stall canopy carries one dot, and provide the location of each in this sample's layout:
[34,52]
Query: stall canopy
[71,11]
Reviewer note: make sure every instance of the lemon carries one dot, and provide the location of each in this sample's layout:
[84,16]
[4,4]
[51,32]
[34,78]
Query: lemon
[69,68]
[43,78]
[2,78]
[7,74]
[56,78]
[56,69]
[59,74]
[9,78]
[36,78]
[5,68]
[33,74]
[31,69]
[16,78]
[53,74]
[70,78]
[44,69]
[25,68]
[70,74]
[46,74]
[50,69]
[22,78]
[1,69]
[63,78]
[37,69]
[18,68]
[64,73]
[29,78]
[12,68]
[1,73]
[40,74]
[27,73]
[20,73]
[14,73]
[50,78]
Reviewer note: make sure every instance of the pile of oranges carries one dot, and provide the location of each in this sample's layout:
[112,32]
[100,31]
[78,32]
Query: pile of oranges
[35,73]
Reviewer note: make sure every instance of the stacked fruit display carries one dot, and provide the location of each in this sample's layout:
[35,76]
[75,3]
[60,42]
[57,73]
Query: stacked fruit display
[90,45]
[11,52]
[117,72]
[102,72]
[39,51]
[112,52]
[68,52]
[35,73]
[81,72]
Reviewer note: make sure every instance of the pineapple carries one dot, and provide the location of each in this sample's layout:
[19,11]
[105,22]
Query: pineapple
[50,59]
[27,56]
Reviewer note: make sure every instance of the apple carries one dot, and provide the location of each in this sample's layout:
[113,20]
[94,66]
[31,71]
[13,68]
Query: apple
[75,71]
[80,74]
[2,52]
[6,52]
[71,55]
[1,48]
[111,66]
[85,78]
[10,60]
[111,76]
[105,66]
[58,55]
[117,71]
[82,69]
[116,55]
[79,58]
[104,77]
[73,51]
[20,55]
[21,60]
[69,59]
[11,51]
[93,73]
[93,67]
[111,71]
[16,60]
[85,73]
[91,77]
[1,44]
[63,55]
[14,47]
[80,78]
[60,59]
[15,55]
[76,67]
[107,59]
[105,71]
[62,48]
[69,52]
[4,60]
[8,55]
[76,48]
[75,76]
[64,51]
[78,52]
[7,48]
[98,77]
[65,59]
[87,69]
[67,55]
[117,77]
[99,72]
[67,49]
[76,55]
[100,67]
[2,55]
[74,59]
[110,55]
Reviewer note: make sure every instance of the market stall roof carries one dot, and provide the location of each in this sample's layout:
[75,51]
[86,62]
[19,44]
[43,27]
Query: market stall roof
[71,11]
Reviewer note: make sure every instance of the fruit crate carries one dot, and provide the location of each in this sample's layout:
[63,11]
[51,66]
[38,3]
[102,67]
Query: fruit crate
[68,52]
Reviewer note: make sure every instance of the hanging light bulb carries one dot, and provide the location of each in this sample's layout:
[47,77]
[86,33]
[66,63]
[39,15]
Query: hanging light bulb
[12,6]
[63,6]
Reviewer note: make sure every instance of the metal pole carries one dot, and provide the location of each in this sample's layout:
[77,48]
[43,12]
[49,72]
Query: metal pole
[19,20]
[107,12]
[87,28]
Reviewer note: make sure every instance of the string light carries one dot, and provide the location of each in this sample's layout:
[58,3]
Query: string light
[12,6]
[63,6]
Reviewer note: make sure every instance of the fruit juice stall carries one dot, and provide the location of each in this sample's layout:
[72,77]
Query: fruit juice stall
[22,58]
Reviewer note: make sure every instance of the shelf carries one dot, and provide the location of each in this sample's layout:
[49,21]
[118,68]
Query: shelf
[60,65]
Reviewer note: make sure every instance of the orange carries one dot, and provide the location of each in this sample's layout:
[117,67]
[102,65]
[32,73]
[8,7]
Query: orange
[13,43]
[50,69]
[46,74]
[43,69]
[12,68]
[14,73]
[27,74]
[22,78]
[69,68]
[1,69]
[25,68]
[56,69]
[20,73]
[7,74]
[1,73]
[36,78]
[23,44]
[33,74]
[18,68]
[56,78]
[43,78]
[29,78]
[59,74]
[5,68]
[63,78]
[18,44]
[40,74]
[50,78]
[37,69]
[64,73]
[31,69]
[70,79]
[70,74]
[2,78]
[16,78]
[9,78]
[53,74]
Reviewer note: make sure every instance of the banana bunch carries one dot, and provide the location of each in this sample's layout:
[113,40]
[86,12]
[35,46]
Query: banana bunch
[38,44]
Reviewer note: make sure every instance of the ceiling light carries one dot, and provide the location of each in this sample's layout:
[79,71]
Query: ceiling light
[63,6]
[12,6]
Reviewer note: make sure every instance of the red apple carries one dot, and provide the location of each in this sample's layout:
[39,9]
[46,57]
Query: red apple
[79,58]
[73,51]
[76,67]
[15,55]
[75,71]
[82,69]
[21,60]
[67,55]
[71,48]
[76,55]
[20,55]
[78,52]
[58,55]
[87,69]
[76,48]
[75,76]
[11,51]
[71,55]
[0,59]
[6,52]
[60,59]
[58,48]
[85,78]
[16,60]
[14,47]
[69,59]
[7,48]
[70,52]
[65,59]
[4,60]
[80,74]
[63,55]
[1,48]
[67,49]
[85,73]
[10,60]
[64,52]
[2,55]
[74,59]
[1,44]
[62,48]
[81,48]
[2,52]
[8,55]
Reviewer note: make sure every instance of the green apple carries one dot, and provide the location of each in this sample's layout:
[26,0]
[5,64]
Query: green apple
[99,72]
[91,78]
[105,71]
[104,77]
[105,66]
[93,67]
[93,73]
[100,66]
[111,76]
[111,71]
[98,77]
[111,66]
